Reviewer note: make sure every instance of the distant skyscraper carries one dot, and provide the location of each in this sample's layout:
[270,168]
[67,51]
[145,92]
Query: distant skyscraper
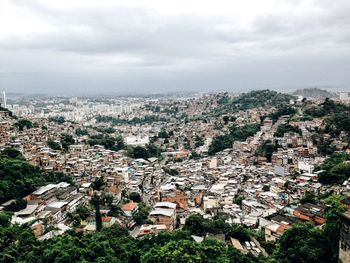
[4,99]
[344,96]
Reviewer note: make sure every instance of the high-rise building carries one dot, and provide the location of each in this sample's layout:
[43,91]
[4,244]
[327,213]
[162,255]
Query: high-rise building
[4,99]
[344,96]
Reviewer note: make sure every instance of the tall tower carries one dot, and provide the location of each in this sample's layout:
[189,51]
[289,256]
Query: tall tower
[4,99]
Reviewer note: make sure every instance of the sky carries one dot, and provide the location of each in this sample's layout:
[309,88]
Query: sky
[161,46]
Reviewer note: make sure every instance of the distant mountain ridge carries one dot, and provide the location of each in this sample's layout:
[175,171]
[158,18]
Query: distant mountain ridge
[314,93]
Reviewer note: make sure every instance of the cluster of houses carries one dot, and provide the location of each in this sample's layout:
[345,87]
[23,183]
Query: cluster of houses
[49,206]
[250,190]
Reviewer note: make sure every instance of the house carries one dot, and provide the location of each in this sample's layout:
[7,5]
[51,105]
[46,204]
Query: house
[210,202]
[274,231]
[275,225]
[177,197]
[129,208]
[164,213]
[108,221]
[310,212]
[151,229]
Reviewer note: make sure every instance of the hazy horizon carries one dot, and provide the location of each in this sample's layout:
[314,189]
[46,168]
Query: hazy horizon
[133,47]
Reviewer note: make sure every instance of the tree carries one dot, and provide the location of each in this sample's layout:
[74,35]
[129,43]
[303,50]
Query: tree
[285,110]
[335,169]
[154,151]
[266,188]
[141,215]
[331,231]
[236,134]
[325,147]
[195,224]
[138,152]
[18,178]
[16,205]
[199,141]
[5,220]
[135,197]
[119,143]
[187,251]
[98,184]
[115,211]
[23,123]
[163,134]
[53,145]
[96,203]
[106,129]
[302,244]
[226,119]
[66,140]
[266,149]
[261,98]
[11,153]
[285,128]
[238,200]
[194,155]
[57,119]
[81,132]
[309,197]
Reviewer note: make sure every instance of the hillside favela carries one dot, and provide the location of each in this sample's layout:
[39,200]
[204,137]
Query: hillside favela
[175,131]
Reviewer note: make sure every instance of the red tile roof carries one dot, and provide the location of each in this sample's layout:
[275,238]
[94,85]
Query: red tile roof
[129,206]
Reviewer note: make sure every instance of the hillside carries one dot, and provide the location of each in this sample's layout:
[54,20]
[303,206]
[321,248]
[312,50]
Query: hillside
[250,100]
[314,93]
[18,178]
[262,98]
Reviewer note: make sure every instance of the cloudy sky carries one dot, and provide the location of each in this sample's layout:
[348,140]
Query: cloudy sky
[101,46]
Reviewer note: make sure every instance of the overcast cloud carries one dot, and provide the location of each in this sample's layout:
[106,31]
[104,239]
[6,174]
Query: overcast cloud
[144,46]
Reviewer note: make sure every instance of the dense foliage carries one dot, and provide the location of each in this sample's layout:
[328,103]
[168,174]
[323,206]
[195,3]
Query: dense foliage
[266,149]
[335,169]
[282,111]
[223,142]
[106,129]
[18,244]
[144,152]
[57,119]
[141,215]
[285,128]
[262,98]
[197,225]
[336,117]
[326,108]
[301,244]
[135,197]
[18,178]
[109,142]
[253,99]
[144,120]
[81,132]
[11,153]
[23,123]
[66,140]
[54,145]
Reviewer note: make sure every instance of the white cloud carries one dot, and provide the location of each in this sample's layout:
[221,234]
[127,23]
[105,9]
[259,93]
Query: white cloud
[161,42]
